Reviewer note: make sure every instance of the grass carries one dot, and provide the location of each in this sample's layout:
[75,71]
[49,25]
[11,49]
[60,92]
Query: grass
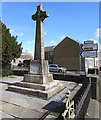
[8,76]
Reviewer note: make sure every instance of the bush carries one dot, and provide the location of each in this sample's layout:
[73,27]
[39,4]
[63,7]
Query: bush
[6,71]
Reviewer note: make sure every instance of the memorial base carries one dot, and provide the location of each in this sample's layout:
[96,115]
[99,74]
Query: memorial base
[39,82]
[43,91]
[40,79]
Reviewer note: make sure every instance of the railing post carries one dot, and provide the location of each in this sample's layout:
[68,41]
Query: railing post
[69,111]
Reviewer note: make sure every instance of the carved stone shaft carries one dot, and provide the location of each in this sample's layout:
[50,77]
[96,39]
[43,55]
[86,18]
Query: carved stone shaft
[39,16]
[39,65]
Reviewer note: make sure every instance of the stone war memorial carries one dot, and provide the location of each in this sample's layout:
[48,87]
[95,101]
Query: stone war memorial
[38,95]
[39,82]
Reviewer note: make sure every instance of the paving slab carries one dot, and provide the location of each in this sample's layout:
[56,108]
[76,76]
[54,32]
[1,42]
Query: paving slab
[21,100]
[11,79]
[50,117]
[93,109]
[20,112]
[4,115]
[0,105]
[99,109]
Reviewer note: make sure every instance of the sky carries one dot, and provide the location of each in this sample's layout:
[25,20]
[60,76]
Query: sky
[77,20]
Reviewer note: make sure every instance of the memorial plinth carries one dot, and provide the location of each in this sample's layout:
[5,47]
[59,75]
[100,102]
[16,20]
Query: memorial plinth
[39,72]
[39,82]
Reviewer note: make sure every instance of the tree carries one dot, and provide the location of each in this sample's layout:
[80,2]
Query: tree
[10,49]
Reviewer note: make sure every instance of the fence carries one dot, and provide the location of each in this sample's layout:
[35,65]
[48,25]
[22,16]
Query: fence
[77,107]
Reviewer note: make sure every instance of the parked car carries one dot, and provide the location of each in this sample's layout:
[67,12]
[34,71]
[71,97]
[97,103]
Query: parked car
[56,68]
[21,64]
[25,63]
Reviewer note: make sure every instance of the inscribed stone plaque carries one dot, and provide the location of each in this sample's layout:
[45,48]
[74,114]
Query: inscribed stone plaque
[34,67]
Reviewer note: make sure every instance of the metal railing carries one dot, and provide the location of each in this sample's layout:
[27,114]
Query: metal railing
[77,110]
[69,111]
[82,104]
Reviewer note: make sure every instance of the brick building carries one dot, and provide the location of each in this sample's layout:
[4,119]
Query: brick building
[49,54]
[67,54]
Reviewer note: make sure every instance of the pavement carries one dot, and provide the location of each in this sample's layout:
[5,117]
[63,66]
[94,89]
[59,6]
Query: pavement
[93,111]
[18,106]
[94,108]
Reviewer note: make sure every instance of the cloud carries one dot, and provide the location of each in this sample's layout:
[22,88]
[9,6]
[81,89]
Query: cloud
[13,32]
[20,34]
[29,52]
[53,42]
[62,37]
[30,42]
[98,33]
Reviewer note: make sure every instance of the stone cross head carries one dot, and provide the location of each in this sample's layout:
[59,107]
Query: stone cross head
[40,14]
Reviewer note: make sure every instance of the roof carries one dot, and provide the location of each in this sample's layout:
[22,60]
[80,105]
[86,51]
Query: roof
[49,48]
[67,39]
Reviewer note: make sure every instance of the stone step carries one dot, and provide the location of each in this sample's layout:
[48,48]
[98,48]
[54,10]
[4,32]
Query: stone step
[38,78]
[38,93]
[37,86]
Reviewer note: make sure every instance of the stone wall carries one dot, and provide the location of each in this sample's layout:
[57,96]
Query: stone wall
[83,80]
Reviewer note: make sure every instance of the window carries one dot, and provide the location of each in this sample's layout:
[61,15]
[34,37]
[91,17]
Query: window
[50,53]
[14,61]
